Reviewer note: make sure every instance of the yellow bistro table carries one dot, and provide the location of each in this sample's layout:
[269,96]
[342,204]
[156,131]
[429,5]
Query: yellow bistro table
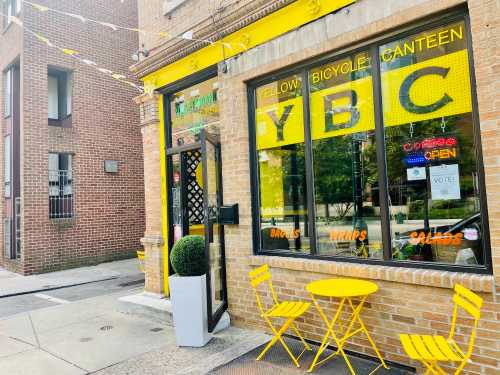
[345,290]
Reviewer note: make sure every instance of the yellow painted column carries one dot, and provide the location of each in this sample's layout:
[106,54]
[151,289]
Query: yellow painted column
[164,203]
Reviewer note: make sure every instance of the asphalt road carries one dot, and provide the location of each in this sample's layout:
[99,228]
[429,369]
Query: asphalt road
[29,302]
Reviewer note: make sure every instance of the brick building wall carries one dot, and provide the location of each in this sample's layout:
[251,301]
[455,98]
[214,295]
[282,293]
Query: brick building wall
[108,218]
[11,44]
[409,300]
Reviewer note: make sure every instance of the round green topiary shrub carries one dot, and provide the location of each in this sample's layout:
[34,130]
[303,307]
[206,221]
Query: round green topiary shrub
[188,256]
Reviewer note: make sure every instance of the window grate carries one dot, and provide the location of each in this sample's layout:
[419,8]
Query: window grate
[6,237]
[61,200]
[18,227]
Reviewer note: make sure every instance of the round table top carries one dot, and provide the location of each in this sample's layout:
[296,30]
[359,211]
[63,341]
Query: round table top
[341,288]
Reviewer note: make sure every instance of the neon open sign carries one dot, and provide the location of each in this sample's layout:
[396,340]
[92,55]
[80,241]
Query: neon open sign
[423,151]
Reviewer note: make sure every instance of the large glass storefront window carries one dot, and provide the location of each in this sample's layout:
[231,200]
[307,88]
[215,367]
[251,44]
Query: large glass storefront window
[281,162]
[410,118]
[344,158]
[430,148]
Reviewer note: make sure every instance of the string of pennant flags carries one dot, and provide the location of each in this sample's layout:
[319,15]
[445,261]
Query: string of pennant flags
[75,55]
[188,35]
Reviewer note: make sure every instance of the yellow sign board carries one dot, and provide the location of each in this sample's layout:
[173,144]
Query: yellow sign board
[431,89]
[434,88]
[343,109]
[280,124]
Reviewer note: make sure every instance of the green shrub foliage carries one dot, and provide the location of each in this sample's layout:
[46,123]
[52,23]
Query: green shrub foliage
[188,256]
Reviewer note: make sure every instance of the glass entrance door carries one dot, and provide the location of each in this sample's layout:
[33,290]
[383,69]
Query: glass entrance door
[194,199]
[214,231]
[186,194]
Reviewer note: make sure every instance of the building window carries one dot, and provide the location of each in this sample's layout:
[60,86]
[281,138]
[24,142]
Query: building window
[281,159]
[61,201]
[7,79]
[11,8]
[403,187]
[7,173]
[60,87]
[170,5]
[430,148]
[344,159]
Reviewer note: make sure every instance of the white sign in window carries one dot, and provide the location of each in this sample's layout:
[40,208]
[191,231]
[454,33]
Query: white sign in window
[445,182]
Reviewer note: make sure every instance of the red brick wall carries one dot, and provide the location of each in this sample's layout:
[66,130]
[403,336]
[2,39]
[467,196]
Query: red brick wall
[11,44]
[109,208]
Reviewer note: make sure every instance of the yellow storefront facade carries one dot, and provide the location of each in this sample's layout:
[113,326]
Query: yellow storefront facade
[328,139]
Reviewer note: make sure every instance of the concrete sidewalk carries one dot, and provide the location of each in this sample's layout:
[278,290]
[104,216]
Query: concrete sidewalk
[105,335]
[13,284]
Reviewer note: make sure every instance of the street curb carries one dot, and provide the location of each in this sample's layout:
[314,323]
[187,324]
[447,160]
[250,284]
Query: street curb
[56,287]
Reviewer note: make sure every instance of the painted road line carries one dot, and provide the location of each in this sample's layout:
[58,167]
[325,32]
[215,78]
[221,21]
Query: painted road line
[51,299]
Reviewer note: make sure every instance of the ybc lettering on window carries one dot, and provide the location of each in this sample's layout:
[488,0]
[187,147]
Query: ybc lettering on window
[429,153]
[344,158]
[426,76]
[342,97]
[430,148]
[279,114]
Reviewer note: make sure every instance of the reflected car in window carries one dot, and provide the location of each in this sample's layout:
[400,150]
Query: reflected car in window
[458,243]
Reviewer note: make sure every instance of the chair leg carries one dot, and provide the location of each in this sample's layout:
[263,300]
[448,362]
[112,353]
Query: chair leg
[297,332]
[295,361]
[461,367]
[277,337]
[431,368]
[268,346]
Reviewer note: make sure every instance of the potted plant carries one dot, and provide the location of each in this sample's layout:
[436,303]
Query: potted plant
[188,291]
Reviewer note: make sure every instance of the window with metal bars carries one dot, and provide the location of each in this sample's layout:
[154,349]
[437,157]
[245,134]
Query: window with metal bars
[61,201]
[18,226]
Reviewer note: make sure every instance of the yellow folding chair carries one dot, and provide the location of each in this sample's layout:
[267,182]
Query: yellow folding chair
[430,350]
[140,257]
[287,310]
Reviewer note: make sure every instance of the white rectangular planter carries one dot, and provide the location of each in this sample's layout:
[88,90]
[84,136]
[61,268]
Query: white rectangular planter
[189,308]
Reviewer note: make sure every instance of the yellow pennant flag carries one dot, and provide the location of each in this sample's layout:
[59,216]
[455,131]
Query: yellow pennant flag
[43,39]
[41,8]
[16,20]
[68,51]
[138,31]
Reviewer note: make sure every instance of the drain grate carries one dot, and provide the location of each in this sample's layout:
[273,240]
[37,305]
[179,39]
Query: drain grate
[86,339]
[106,328]
[156,329]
